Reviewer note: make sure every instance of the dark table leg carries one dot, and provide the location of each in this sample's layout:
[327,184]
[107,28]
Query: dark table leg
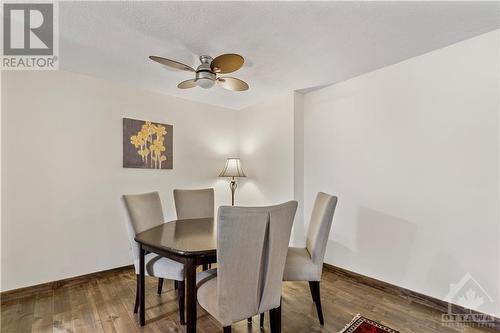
[190,269]
[142,303]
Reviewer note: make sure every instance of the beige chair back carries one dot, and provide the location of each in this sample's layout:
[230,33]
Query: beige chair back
[193,204]
[144,212]
[320,225]
[252,243]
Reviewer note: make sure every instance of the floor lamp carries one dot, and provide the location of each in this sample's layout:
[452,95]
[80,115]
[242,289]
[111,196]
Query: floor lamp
[232,169]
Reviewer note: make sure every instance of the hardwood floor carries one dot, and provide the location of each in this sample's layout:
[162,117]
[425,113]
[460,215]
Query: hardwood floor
[105,304]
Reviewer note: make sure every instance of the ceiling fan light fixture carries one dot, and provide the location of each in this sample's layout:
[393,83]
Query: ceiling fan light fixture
[204,78]
[205,83]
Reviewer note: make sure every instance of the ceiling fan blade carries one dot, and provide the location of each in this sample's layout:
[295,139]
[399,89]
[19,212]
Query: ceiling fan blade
[231,83]
[227,63]
[187,84]
[172,63]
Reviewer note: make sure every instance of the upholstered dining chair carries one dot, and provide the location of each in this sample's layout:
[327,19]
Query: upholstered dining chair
[252,243]
[306,264]
[193,204]
[145,212]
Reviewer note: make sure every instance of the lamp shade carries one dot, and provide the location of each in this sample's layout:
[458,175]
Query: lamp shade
[232,168]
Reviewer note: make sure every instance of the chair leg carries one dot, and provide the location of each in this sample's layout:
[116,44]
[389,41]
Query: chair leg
[227,329]
[204,267]
[315,293]
[312,292]
[136,305]
[182,301]
[262,320]
[160,285]
[275,320]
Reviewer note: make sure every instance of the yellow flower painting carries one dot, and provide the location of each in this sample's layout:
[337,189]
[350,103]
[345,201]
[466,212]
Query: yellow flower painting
[147,145]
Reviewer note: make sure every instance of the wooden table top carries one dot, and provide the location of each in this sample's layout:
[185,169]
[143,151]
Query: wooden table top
[191,237]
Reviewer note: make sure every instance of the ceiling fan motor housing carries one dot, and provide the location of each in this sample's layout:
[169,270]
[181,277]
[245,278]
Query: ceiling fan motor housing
[205,78]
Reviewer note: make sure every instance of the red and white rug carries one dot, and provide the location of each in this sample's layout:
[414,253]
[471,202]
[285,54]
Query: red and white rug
[361,324]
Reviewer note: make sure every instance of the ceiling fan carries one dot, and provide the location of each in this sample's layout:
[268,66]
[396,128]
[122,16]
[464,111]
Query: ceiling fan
[208,72]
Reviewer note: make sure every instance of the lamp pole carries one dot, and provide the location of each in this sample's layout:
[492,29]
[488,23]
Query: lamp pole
[233,185]
[231,170]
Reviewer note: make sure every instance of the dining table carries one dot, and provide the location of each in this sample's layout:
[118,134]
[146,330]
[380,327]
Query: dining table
[192,242]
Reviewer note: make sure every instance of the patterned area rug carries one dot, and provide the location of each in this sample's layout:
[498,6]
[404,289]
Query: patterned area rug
[361,324]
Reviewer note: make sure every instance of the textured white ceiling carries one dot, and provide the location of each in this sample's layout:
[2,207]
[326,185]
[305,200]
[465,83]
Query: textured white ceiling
[286,45]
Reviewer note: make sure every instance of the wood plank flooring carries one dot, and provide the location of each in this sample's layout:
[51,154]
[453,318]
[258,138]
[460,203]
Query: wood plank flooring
[105,304]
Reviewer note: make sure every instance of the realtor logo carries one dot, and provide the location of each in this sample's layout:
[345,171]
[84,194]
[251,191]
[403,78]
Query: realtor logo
[29,36]
[28,29]
[471,298]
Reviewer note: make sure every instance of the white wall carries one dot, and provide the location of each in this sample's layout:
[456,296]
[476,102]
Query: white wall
[412,152]
[267,151]
[62,169]
[299,229]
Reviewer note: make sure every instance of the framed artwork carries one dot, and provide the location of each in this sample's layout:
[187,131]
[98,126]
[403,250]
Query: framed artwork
[147,145]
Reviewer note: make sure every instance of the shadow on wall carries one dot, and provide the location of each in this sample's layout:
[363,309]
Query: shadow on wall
[385,243]
[340,255]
